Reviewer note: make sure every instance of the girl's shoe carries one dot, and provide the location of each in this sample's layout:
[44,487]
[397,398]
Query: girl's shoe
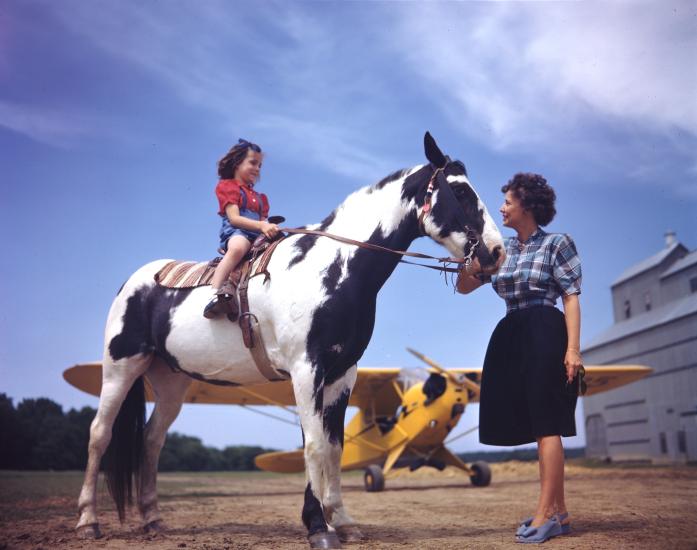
[214,308]
[224,301]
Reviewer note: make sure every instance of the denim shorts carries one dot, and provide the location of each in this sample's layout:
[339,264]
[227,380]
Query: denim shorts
[228,230]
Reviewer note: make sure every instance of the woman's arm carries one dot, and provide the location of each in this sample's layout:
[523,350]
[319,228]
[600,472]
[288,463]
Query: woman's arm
[572,313]
[468,278]
[232,211]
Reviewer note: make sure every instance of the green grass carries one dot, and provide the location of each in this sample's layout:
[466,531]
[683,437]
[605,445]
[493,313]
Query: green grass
[16,486]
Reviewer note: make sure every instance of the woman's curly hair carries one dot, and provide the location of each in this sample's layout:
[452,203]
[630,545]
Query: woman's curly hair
[234,157]
[535,195]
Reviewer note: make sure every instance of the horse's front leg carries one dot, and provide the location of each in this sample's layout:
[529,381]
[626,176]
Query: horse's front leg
[336,399]
[169,389]
[316,451]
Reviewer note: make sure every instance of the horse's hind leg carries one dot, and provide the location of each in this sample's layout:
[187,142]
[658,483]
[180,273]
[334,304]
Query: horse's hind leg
[117,379]
[169,389]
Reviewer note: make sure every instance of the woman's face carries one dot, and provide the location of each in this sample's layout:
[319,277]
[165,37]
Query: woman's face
[512,211]
[248,170]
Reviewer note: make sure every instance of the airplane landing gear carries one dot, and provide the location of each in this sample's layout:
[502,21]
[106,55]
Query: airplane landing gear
[481,474]
[374,479]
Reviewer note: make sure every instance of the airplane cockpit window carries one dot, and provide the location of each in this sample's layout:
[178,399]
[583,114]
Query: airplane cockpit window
[434,387]
[433,384]
[409,377]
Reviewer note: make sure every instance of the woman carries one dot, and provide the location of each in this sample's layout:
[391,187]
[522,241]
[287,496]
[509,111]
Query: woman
[529,381]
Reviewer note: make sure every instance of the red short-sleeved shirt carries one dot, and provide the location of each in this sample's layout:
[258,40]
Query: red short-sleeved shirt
[230,192]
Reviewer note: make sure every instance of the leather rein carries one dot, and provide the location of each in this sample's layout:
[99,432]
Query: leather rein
[472,240]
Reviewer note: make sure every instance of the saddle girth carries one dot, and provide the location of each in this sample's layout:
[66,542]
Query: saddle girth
[249,324]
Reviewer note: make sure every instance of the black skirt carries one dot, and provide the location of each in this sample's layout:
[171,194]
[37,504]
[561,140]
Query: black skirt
[524,391]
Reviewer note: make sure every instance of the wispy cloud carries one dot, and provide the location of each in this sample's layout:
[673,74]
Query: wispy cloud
[50,126]
[508,75]
[330,148]
[276,68]
[528,73]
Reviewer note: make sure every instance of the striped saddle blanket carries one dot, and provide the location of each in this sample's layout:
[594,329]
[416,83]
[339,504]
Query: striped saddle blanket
[181,274]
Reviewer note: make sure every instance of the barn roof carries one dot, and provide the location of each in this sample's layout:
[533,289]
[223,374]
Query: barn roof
[647,320]
[648,263]
[682,263]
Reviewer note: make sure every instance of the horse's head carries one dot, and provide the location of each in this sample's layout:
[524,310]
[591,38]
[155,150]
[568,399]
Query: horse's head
[454,215]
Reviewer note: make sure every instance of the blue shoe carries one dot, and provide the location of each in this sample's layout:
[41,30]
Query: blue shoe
[536,535]
[523,526]
[565,528]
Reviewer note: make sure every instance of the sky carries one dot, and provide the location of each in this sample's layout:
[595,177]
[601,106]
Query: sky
[113,115]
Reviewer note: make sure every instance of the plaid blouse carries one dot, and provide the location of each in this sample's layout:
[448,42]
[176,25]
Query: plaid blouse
[538,271]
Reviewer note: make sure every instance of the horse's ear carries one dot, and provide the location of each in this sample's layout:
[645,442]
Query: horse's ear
[433,153]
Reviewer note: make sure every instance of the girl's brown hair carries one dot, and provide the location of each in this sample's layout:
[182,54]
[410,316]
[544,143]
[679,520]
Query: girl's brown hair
[234,157]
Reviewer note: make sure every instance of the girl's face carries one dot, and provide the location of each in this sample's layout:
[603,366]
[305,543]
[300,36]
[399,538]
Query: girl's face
[512,211]
[248,170]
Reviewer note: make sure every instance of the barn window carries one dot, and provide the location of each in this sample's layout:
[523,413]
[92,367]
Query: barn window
[682,442]
[647,300]
[627,309]
[663,442]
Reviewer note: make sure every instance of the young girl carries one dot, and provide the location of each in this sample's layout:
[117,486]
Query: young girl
[243,212]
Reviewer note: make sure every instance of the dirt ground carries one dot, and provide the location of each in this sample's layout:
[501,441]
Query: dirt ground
[611,507]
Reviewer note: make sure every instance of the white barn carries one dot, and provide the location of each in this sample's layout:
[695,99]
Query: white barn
[655,324]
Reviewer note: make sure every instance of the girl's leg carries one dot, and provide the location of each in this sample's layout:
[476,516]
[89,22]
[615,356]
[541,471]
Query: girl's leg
[237,247]
[551,460]
[223,298]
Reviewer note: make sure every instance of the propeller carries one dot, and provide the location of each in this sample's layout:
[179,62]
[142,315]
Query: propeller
[458,381]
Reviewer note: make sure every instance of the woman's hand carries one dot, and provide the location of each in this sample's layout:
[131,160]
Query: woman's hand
[270,230]
[573,363]
[467,279]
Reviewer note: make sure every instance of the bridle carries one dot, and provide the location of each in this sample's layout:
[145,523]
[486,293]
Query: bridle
[471,235]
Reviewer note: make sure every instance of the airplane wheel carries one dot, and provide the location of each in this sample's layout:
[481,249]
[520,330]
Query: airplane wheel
[373,479]
[481,476]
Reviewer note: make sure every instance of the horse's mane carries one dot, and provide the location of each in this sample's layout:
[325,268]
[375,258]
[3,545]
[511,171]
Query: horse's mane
[387,179]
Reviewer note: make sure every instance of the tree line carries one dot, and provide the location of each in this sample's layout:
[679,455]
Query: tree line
[38,435]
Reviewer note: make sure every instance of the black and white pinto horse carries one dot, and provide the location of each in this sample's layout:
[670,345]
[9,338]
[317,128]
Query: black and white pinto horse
[316,313]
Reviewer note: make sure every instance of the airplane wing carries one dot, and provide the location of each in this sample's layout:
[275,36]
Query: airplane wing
[88,378]
[375,387]
[599,378]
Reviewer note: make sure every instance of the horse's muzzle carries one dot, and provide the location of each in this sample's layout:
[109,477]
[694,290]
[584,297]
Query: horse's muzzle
[491,261]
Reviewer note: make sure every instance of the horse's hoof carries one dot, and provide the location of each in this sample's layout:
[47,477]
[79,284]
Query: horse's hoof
[89,532]
[324,540]
[349,533]
[155,527]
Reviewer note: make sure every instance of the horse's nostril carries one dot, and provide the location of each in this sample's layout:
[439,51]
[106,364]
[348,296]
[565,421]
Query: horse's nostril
[496,253]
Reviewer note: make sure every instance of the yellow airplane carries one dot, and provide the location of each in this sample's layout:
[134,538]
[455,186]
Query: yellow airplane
[403,419]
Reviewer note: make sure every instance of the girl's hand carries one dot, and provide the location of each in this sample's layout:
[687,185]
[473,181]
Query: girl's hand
[270,230]
[573,363]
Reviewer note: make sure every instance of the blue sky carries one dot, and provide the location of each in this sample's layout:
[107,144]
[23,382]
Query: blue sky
[113,115]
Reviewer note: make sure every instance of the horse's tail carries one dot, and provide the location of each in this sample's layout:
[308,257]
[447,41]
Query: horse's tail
[124,454]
